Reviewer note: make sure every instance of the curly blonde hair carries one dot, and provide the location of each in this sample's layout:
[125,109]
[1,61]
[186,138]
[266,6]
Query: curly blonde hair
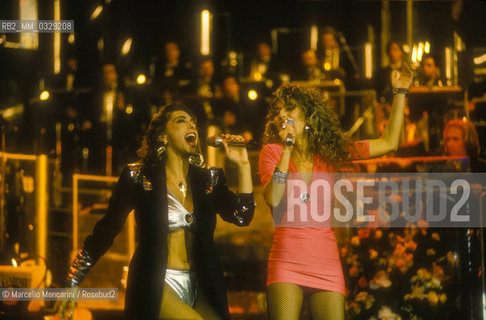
[325,135]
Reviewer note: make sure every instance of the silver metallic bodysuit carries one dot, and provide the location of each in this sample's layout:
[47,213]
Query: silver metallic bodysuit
[183,282]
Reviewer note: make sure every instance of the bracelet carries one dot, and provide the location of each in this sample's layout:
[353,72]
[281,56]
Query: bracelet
[80,268]
[279,176]
[400,90]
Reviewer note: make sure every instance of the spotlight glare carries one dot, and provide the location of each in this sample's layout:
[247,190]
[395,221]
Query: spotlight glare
[420,51]
[313,37]
[96,12]
[129,109]
[126,46]
[141,79]
[205,32]
[252,95]
[427,47]
[44,95]
[71,38]
[14,263]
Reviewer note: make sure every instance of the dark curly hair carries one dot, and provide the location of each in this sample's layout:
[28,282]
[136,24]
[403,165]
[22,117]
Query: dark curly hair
[324,135]
[150,142]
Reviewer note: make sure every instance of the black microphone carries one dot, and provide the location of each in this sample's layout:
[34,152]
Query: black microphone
[217,141]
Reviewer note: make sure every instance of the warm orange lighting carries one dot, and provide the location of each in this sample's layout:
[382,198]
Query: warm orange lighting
[252,95]
[313,38]
[205,32]
[44,95]
[127,45]
[141,79]
[96,12]
[42,205]
[14,263]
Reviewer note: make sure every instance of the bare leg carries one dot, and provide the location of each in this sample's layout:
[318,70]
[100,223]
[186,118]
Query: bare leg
[173,308]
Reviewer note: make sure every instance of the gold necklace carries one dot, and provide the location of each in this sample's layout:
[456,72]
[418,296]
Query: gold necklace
[183,189]
[182,186]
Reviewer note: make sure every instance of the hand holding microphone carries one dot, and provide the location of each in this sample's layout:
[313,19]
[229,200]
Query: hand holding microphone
[234,146]
[230,140]
[287,131]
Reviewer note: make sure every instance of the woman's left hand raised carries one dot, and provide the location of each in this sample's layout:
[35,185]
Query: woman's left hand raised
[402,78]
[236,154]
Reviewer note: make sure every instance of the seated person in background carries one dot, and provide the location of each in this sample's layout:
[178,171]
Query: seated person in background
[264,66]
[205,84]
[310,69]
[331,58]
[233,111]
[461,139]
[383,77]
[203,89]
[172,73]
[429,73]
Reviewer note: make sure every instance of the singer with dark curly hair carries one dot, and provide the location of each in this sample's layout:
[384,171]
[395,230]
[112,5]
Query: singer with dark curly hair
[303,137]
[175,272]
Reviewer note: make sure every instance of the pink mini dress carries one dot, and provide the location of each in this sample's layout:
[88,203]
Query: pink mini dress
[305,255]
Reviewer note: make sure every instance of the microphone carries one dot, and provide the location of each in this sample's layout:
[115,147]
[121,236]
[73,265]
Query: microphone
[217,141]
[289,140]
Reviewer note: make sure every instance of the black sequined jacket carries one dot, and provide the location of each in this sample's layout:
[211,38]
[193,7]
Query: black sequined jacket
[145,190]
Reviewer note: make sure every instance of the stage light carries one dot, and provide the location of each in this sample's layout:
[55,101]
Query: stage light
[448,63]
[44,95]
[101,44]
[71,38]
[57,38]
[368,60]
[481,59]
[96,12]
[414,53]
[14,263]
[126,46]
[252,95]
[257,76]
[327,66]
[313,37]
[420,51]
[205,32]
[406,48]
[141,79]
[427,47]
[464,119]
[129,109]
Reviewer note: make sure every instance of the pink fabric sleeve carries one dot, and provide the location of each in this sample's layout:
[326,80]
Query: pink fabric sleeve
[360,150]
[269,158]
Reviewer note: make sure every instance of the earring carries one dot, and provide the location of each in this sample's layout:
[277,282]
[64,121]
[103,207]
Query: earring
[196,159]
[161,150]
